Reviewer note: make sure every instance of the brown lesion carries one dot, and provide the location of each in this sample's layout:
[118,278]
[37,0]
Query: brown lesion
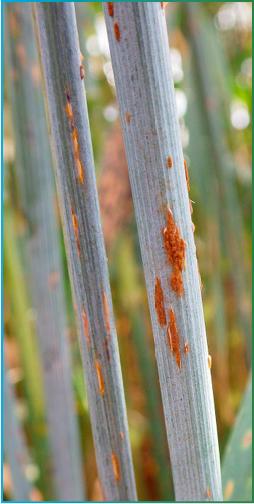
[116,466]
[53,279]
[159,302]
[174,246]
[100,378]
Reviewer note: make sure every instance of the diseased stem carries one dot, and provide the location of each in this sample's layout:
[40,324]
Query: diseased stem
[140,58]
[71,141]
[41,251]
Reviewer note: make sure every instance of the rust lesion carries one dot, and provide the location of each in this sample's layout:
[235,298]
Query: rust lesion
[110,9]
[169,162]
[174,338]
[175,247]
[100,378]
[75,139]
[53,279]
[159,302]
[116,466]
[209,359]
[106,312]
[186,170]
[186,348]
[128,117]
[75,226]
[117,32]
[86,328]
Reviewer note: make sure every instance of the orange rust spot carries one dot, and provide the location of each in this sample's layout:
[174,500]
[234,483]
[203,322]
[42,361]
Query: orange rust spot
[117,32]
[81,57]
[86,328]
[187,174]
[209,361]
[80,171]
[247,439]
[110,9]
[229,488]
[74,135]
[186,348]
[208,493]
[68,110]
[106,312]
[82,72]
[53,279]
[100,378]
[121,435]
[75,228]
[36,74]
[116,466]
[159,302]
[174,338]
[169,162]
[128,117]
[174,246]
[163,4]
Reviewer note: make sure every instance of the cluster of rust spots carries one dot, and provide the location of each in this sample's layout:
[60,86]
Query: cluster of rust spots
[209,361]
[117,32]
[86,327]
[169,162]
[128,117]
[174,246]
[100,377]
[174,338]
[159,302]
[75,140]
[76,229]
[110,9]
[116,466]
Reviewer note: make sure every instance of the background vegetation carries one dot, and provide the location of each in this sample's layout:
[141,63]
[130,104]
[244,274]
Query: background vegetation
[211,58]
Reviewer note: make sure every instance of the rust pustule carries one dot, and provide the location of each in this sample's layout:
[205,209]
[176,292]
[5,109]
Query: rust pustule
[169,162]
[186,348]
[75,228]
[209,361]
[174,246]
[110,9]
[128,117]
[187,175]
[100,377]
[116,466]
[174,338]
[208,493]
[86,328]
[106,312]
[80,170]
[159,302]
[82,72]
[68,111]
[117,32]
[121,434]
